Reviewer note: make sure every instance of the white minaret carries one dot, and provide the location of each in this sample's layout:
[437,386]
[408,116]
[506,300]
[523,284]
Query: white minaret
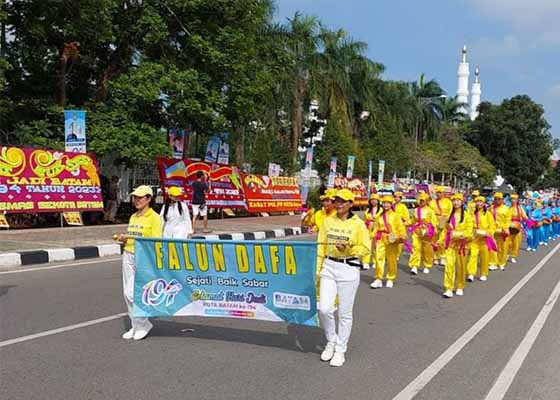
[476,92]
[463,81]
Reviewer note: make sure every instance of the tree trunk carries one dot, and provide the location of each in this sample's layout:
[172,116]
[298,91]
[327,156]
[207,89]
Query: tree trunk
[60,89]
[239,145]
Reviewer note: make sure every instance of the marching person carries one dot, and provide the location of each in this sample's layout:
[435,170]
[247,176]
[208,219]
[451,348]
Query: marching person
[373,210]
[502,219]
[483,240]
[388,232]
[534,224]
[442,208]
[175,217]
[556,219]
[547,222]
[518,218]
[200,187]
[145,222]
[402,211]
[471,205]
[343,240]
[423,230]
[458,233]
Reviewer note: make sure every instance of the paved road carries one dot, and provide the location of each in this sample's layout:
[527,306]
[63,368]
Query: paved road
[398,335]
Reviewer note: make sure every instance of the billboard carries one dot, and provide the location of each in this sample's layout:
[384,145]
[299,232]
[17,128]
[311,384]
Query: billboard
[276,193]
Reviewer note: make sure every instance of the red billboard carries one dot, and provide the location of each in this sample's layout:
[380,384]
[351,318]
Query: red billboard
[271,193]
[40,180]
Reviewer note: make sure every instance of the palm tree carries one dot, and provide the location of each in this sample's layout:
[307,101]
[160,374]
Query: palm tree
[426,96]
[451,110]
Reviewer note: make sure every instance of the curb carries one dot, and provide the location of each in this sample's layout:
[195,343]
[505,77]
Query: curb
[103,250]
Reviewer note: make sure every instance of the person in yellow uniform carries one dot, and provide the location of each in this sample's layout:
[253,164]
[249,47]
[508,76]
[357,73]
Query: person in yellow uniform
[373,210]
[458,232]
[145,222]
[502,218]
[471,205]
[423,222]
[343,240]
[483,235]
[442,208]
[388,232]
[402,211]
[518,217]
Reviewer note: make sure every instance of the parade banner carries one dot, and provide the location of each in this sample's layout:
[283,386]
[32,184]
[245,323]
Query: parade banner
[177,138]
[381,171]
[271,194]
[223,153]
[75,131]
[259,280]
[332,172]
[350,166]
[38,180]
[226,189]
[357,187]
[212,149]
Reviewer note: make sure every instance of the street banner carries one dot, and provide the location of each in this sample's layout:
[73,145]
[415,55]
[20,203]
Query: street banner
[226,189]
[212,149]
[223,153]
[273,169]
[350,167]
[370,173]
[75,131]
[271,194]
[259,280]
[177,139]
[332,173]
[381,171]
[308,162]
[73,218]
[40,180]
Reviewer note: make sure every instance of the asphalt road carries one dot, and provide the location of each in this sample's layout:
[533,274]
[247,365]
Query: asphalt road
[407,340]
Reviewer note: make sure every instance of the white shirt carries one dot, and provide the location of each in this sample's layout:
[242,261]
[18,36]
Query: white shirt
[177,226]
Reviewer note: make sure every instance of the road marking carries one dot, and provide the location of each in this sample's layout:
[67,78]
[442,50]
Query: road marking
[509,372]
[414,387]
[60,330]
[97,260]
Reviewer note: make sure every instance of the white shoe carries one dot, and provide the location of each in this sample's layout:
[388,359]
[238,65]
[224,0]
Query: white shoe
[426,270]
[328,352]
[376,284]
[470,278]
[338,359]
[139,335]
[436,262]
[483,278]
[128,334]
[414,271]
[492,268]
[365,266]
[389,284]
[546,243]
[459,292]
[502,268]
[448,294]
[442,261]
[528,249]
[514,261]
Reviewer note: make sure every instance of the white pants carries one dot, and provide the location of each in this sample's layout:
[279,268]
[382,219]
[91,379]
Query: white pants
[338,278]
[128,270]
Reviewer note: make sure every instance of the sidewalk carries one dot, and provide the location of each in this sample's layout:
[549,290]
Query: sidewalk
[30,246]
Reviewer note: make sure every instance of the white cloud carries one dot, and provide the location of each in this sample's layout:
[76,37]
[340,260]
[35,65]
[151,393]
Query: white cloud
[520,13]
[554,91]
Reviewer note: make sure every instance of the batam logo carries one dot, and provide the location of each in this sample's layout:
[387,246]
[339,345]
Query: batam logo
[291,301]
[159,291]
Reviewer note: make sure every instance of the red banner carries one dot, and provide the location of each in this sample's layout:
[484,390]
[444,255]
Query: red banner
[226,189]
[39,180]
[356,186]
[271,193]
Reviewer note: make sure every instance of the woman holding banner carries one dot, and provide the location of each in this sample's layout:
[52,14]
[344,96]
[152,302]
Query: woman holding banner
[145,222]
[343,240]
[175,217]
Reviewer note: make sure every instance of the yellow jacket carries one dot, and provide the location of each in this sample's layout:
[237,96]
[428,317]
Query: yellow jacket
[455,225]
[147,225]
[518,213]
[442,207]
[317,219]
[352,232]
[424,215]
[371,218]
[483,220]
[387,223]
[502,217]
[402,211]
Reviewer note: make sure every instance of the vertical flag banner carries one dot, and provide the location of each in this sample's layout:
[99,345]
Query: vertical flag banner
[332,173]
[273,169]
[370,173]
[212,149]
[308,161]
[381,172]
[177,142]
[259,280]
[223,153]
[75,131]
[350,167]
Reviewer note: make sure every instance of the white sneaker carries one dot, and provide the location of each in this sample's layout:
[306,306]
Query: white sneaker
[492,268]
[338,359]
[546,243]
[128,334]
[139,335]
[414,271]
[376,284]
[502,268]
[426,270]
[483,278]
[436,262]
[442,261]
[448,294]
[389,284]
[514,261]
[470,278]
[328,352]
[528,249]
[365,266]
[459,292]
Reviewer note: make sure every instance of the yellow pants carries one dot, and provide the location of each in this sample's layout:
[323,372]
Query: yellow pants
[422,252]
[440,252]
[478,249]
[386,251]
[455,274]
[514,243]
[400,250]
[502,250]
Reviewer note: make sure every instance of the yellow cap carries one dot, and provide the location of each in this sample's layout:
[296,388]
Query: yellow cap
[387,199]
[374,196]
[174,191]
[514,196]
[329,194]
[475,193]
[142,191]
[345,195]
[480,198]
[440,189]
[498,195]
[457,196]
[423,196]
[398,194]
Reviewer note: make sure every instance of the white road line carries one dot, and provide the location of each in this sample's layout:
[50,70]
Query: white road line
[414,387]
[10,342]
[505,379]
[97,260]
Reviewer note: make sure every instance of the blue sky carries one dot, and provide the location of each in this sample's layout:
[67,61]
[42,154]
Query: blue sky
[516,43]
